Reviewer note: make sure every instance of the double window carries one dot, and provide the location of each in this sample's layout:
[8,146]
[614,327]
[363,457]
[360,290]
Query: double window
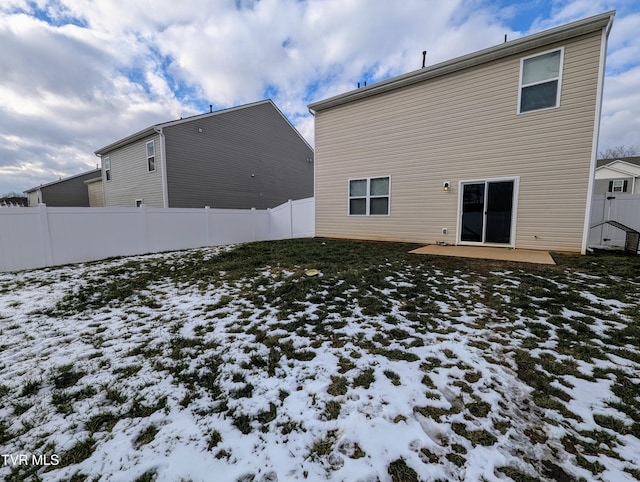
[151,156]
[106,165]
[369,196]
[540,81]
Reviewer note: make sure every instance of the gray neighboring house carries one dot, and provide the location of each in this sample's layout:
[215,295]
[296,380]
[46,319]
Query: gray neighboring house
[243,157]
[65,192]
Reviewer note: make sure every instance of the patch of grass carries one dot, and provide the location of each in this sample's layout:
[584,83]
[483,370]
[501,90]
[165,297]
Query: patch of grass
[332,410]
[103,421]
[324,446]
[401,472]
[364,379]
[66,376]
[243,423]
[82,450]
[31,387]
[476,437]
[213,440]
[518,475]
[456,459]
[393,376]
[146,436]
[338,386]
[266,416]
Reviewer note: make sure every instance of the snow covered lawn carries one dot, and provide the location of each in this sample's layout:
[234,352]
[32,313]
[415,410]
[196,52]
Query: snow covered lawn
[227,364]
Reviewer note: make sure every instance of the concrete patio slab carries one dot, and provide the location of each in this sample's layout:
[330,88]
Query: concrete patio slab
[488,252]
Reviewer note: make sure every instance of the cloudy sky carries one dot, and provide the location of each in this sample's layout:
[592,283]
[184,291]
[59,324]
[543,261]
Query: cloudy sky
[76,75]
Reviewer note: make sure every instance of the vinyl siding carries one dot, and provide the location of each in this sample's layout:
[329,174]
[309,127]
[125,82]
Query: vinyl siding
[130,178]
[464,126]
[96,195]
[69,192]
[244,158]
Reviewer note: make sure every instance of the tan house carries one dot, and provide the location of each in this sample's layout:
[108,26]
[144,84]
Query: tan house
[493,148]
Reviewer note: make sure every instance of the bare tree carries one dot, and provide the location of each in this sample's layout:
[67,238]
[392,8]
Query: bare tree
[619,151]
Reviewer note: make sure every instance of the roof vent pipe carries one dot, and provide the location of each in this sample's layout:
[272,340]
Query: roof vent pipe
[210,108]
[505,37]
[424,58]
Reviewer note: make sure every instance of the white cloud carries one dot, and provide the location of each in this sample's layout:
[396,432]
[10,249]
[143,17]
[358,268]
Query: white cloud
[68,90]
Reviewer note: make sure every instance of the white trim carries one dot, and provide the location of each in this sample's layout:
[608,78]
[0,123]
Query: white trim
[596,134]
[367,197]
[559,78]
[514,210]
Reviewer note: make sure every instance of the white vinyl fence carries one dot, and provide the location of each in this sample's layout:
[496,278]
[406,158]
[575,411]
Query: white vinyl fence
[48,236]
[624,208]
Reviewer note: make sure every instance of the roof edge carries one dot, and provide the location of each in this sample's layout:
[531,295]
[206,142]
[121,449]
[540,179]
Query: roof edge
[540,39]
[151,130]
[68,178]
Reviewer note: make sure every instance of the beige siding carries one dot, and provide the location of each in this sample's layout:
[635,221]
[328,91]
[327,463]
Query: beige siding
[463,126]
[33,198]
[130,178]
[96,195]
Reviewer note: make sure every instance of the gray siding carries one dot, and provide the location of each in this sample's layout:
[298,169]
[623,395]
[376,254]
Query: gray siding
[130,177]
[244,158]
[70,192]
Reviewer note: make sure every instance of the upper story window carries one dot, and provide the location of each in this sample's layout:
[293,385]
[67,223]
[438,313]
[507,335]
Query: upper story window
[106,165]
[369,196]
[151,156]
[540,81]
[619,185]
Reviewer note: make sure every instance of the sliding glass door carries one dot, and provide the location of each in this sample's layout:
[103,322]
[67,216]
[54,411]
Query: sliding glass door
[487,212]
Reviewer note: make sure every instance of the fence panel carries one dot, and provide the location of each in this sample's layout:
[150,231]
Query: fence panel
[43,236]
[624,208]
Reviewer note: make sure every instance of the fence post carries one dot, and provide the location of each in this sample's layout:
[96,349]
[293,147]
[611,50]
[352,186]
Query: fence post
[253,224]
[143,232]
[45,234]
[206,225]
[290,205]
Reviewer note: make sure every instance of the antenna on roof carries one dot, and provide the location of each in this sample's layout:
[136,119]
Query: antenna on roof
[424,58]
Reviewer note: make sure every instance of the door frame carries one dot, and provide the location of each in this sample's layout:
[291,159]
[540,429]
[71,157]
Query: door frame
[514,210]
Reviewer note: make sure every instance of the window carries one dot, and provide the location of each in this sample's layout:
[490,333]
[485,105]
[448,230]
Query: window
[151,156]
[369,197]
[540,81]
[619,185]
[106,165]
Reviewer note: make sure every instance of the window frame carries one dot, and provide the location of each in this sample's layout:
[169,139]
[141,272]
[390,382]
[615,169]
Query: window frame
[368,196]
[619,183]
[521,86]
[106,166]
[151,160]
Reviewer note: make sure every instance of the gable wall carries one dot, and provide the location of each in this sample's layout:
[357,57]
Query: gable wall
[463,126]
[246,158]
[130,178]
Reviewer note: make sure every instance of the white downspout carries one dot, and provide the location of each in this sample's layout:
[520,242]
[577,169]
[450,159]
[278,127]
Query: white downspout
[165,190]
[596,134]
